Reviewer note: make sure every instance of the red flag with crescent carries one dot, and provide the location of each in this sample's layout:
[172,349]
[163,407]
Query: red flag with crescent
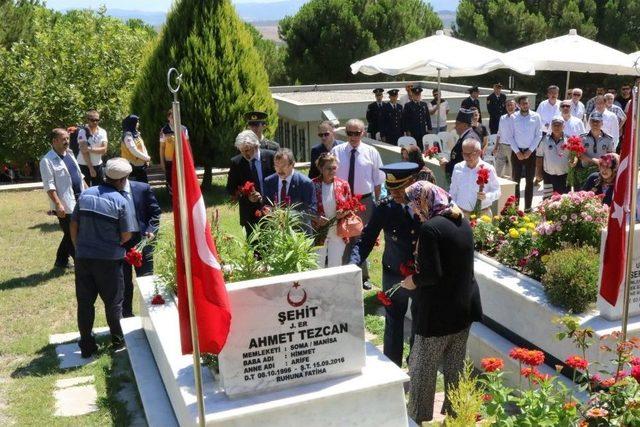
[213,312]
[615,256]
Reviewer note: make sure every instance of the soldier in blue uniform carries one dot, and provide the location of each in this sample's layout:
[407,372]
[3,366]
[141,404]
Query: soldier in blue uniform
[374,114]
[257,122]
[464,129]
[391,119]
[416,121]
[401,228]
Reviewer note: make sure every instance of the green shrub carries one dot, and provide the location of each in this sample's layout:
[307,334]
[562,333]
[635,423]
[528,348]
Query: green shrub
[164,256]
[571,278]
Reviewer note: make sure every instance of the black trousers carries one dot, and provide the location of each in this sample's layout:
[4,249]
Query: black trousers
[494,122]
[127,272]
[139,173]
[98,277]
[168,165]
[65,248]
[524,168]
[92,181]
[394,318]
[554,183]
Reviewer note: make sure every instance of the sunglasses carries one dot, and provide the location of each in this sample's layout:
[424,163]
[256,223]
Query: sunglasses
[94,120]
[565,106]
[323,134]
[353,133]
[575,94]
[257,123]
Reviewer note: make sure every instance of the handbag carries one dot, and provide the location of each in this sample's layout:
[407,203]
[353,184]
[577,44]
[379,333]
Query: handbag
[350,226]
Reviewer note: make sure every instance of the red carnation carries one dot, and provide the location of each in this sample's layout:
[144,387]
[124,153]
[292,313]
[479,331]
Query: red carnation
[432,152]
[157,300]
[492,364]
[483,176]
[247,189]
[635,372]
[383,298]
[576,362]
[574,145]
[635,361]
[258,213]
[407,268]
[133,257]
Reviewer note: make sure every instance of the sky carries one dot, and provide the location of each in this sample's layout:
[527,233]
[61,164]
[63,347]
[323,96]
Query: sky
[142,5]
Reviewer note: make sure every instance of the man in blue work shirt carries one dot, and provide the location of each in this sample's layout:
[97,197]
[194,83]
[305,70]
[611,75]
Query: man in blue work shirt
[100,226]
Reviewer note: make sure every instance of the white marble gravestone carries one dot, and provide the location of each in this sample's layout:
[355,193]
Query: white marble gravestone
[293,329]
[608,311]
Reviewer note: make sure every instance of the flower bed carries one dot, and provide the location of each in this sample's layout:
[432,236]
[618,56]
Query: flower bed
[558,244]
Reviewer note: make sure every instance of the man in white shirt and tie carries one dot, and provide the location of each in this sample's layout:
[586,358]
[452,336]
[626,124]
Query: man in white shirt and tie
[464,189]
[359,164]
[524,135]
[549,108]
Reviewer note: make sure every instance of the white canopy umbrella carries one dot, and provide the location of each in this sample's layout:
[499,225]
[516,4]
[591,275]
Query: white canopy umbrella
[572,52]
[440,55]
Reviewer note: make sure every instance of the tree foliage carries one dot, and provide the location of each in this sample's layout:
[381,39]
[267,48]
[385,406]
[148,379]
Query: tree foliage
[223,78]
[509,24]
[272,57]
[326,36]
[17,19]
[72,62]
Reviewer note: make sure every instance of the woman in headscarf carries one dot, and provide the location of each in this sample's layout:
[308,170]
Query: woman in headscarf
[132,148]
[602,182]
[447,297]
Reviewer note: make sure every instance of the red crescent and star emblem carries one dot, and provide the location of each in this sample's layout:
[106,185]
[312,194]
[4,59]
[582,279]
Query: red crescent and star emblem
[303,296]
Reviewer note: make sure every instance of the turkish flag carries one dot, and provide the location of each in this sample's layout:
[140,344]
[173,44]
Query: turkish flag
[614,264]
[213,313]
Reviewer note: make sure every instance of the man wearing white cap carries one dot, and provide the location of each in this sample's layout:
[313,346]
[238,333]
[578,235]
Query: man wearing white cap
[552,161]
[100,224]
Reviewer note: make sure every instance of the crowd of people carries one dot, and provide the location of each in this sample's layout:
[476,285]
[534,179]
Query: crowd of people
[106,208]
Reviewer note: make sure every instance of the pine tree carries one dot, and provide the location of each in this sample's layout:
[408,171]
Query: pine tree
[223,78]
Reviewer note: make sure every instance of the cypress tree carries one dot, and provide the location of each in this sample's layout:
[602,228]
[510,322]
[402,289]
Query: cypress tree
[223,78]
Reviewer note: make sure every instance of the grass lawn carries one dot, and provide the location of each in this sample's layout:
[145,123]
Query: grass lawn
[36,301]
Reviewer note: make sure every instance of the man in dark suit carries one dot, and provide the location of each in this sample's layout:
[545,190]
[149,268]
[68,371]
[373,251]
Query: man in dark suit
[253,164]
[374,114]
[391,119]
[497,107]
[464,129]
[147,212]
[327,142]
[416,121]
[395,218]
[472,100]
[290,187]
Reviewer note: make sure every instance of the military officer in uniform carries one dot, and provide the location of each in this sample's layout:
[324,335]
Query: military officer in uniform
[472,100]
[496,106]
[257,122]
[464,129]
[391,119]
[374,114]
[393,216]
[416,121]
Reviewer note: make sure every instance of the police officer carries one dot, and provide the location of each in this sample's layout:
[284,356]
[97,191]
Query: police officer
[374,114]
[472,100]
[496,106]
[400,227]
[464,129]
[257,122]
[416,121]
[391,119]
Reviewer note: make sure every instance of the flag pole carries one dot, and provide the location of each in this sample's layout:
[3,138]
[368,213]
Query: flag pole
[186,248]
[632,211]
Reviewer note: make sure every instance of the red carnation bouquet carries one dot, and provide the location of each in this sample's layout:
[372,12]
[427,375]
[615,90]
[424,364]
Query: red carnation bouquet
[432,152]
[575,147]
[352,204]
[482,180]
[134,255]
[247,189]
[406,269]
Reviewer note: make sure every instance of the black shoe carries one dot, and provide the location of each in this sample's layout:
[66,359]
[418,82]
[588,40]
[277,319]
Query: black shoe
[117,343]
[67,266]
[127,315]
[87,353]
[367,285]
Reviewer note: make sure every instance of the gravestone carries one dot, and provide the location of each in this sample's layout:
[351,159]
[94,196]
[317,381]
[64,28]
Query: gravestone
[608,311]
[293,330]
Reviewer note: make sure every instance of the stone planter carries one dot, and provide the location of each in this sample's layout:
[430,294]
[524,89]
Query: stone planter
[516,306]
